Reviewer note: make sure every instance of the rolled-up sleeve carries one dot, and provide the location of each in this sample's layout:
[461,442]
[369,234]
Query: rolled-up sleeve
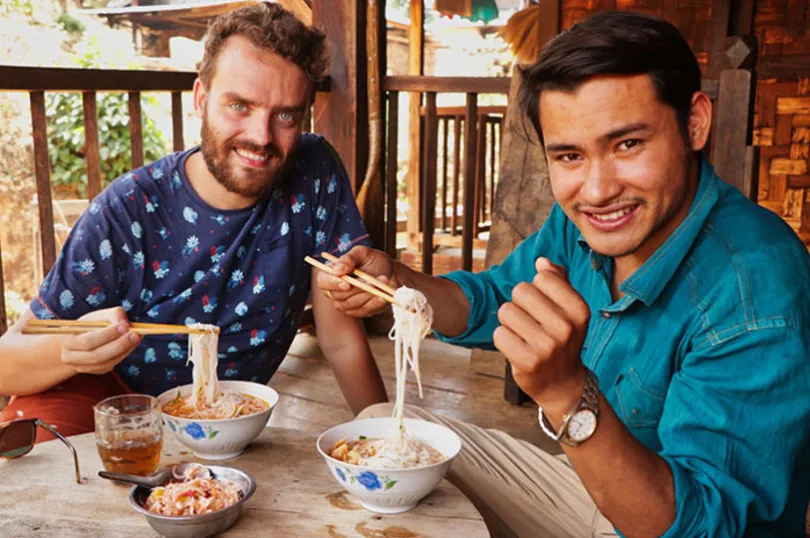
[488,290]
[734,426]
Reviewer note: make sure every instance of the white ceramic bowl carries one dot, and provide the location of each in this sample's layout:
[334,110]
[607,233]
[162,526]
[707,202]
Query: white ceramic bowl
[389,491]
[220,439]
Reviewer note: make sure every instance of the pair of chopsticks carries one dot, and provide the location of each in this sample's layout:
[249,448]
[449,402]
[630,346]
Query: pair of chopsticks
[363,280]
[68,326]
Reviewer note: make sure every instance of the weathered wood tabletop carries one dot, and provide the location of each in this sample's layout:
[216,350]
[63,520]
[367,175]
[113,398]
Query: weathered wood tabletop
[296,496]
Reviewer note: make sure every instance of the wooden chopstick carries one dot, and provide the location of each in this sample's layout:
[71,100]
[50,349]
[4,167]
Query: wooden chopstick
[362,274]
[68,326]
[353,281]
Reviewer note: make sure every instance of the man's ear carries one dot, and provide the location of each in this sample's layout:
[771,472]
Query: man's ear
[700,121]
[200,96]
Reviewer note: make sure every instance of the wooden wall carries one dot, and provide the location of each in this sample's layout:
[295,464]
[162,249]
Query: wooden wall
[782,117]
[782,114]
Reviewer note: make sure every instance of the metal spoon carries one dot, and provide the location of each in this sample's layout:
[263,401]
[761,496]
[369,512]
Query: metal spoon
[154,480]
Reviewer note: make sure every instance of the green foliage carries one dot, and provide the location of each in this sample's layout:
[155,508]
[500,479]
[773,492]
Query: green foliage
[66,138]
[25,7]
[71,25]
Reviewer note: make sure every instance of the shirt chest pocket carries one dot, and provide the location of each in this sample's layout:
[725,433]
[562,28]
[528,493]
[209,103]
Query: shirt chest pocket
[640,402]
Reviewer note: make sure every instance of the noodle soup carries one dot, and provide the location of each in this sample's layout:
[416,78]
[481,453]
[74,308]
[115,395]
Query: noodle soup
[229,405]
[370,481]
[386,453]
[217,438]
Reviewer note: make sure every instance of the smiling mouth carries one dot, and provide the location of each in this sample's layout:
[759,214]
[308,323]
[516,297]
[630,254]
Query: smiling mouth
[613,220]
[253,159]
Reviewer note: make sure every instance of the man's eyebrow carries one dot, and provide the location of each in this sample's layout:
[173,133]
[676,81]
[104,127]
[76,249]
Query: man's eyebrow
[607,137]
[624,131]
[233,96]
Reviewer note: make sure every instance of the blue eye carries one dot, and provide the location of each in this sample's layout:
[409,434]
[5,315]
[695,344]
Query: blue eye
[239,107]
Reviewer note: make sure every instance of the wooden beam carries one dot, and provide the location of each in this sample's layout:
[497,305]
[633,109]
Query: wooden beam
[549,22]
[717,36]
[42,165]
[782,67]
[57,79]
[53,79]
[416,68]
[742,18]
[413,83]
[92,158]
[342,116]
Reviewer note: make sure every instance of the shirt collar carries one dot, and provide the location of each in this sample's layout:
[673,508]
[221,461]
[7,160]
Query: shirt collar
[649,280]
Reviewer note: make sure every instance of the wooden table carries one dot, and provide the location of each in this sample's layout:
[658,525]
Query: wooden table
[296,496]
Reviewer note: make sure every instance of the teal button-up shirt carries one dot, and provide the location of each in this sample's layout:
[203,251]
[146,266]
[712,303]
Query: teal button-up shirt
[705,358]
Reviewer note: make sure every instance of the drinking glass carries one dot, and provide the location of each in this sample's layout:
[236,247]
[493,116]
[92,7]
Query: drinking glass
[129,433]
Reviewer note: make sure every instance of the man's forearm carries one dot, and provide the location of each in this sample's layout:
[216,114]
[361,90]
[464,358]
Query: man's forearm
[631,485]
[451,310]
[30,364]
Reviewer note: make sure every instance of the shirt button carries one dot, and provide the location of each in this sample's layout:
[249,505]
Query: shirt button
[606,315]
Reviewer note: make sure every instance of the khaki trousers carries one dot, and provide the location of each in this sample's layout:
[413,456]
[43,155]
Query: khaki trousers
[520,490]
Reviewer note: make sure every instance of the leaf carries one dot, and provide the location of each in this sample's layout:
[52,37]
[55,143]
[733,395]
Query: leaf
[362,437]
[212,434]
[390,484]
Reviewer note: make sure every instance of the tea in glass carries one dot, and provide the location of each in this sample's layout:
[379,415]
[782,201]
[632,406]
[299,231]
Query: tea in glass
[129,433]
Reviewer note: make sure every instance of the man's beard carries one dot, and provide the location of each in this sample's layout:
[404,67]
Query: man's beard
[253,184]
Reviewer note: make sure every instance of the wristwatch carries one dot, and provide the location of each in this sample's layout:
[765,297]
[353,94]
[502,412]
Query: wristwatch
[579,424]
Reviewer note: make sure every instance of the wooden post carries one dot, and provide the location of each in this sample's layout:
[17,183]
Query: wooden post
[429,186]
[42,164]
[136,128]
[341,114]
[732,156]
[92,158]
[523,198]
[470,226]
[3,318]
[416,66]
[391,179]
[177,121]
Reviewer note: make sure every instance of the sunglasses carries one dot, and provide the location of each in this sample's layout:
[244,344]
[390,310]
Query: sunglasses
[18,436]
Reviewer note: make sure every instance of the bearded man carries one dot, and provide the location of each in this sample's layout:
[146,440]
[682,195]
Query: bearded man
[216,234]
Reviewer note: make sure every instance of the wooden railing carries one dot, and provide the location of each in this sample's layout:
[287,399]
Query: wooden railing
[38,80]
[479,128]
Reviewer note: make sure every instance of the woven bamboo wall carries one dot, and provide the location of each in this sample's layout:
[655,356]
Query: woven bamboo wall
[782,114]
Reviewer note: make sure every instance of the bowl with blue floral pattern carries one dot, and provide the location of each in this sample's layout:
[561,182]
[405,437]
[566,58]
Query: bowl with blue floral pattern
[219,439]
[389,490]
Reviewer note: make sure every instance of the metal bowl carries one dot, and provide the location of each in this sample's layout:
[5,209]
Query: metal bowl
[204,525]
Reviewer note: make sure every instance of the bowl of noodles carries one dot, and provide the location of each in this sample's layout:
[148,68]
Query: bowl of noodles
[389,465]
[198,501]
[238,414]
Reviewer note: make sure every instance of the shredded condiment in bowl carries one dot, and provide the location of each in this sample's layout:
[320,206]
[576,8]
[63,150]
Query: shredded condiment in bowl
[196,493]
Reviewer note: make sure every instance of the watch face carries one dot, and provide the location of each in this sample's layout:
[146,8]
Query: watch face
[582,425]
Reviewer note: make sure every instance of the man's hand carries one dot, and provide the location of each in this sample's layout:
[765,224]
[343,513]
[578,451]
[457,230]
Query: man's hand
[541,334]
[349,299]
[97,352]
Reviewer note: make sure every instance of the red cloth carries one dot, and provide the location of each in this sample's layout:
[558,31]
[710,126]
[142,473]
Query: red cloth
[68,406]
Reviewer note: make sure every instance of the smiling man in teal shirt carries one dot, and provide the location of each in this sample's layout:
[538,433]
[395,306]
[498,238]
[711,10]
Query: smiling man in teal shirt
[659,319]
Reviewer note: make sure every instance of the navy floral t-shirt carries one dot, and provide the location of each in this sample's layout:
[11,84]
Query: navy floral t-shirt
[151,245]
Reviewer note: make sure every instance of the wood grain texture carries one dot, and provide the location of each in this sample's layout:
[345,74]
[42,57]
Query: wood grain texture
[91,151]
[296,495]
[42,165]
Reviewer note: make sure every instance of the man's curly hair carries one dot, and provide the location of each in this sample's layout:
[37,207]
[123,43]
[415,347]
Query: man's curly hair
[270,27]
